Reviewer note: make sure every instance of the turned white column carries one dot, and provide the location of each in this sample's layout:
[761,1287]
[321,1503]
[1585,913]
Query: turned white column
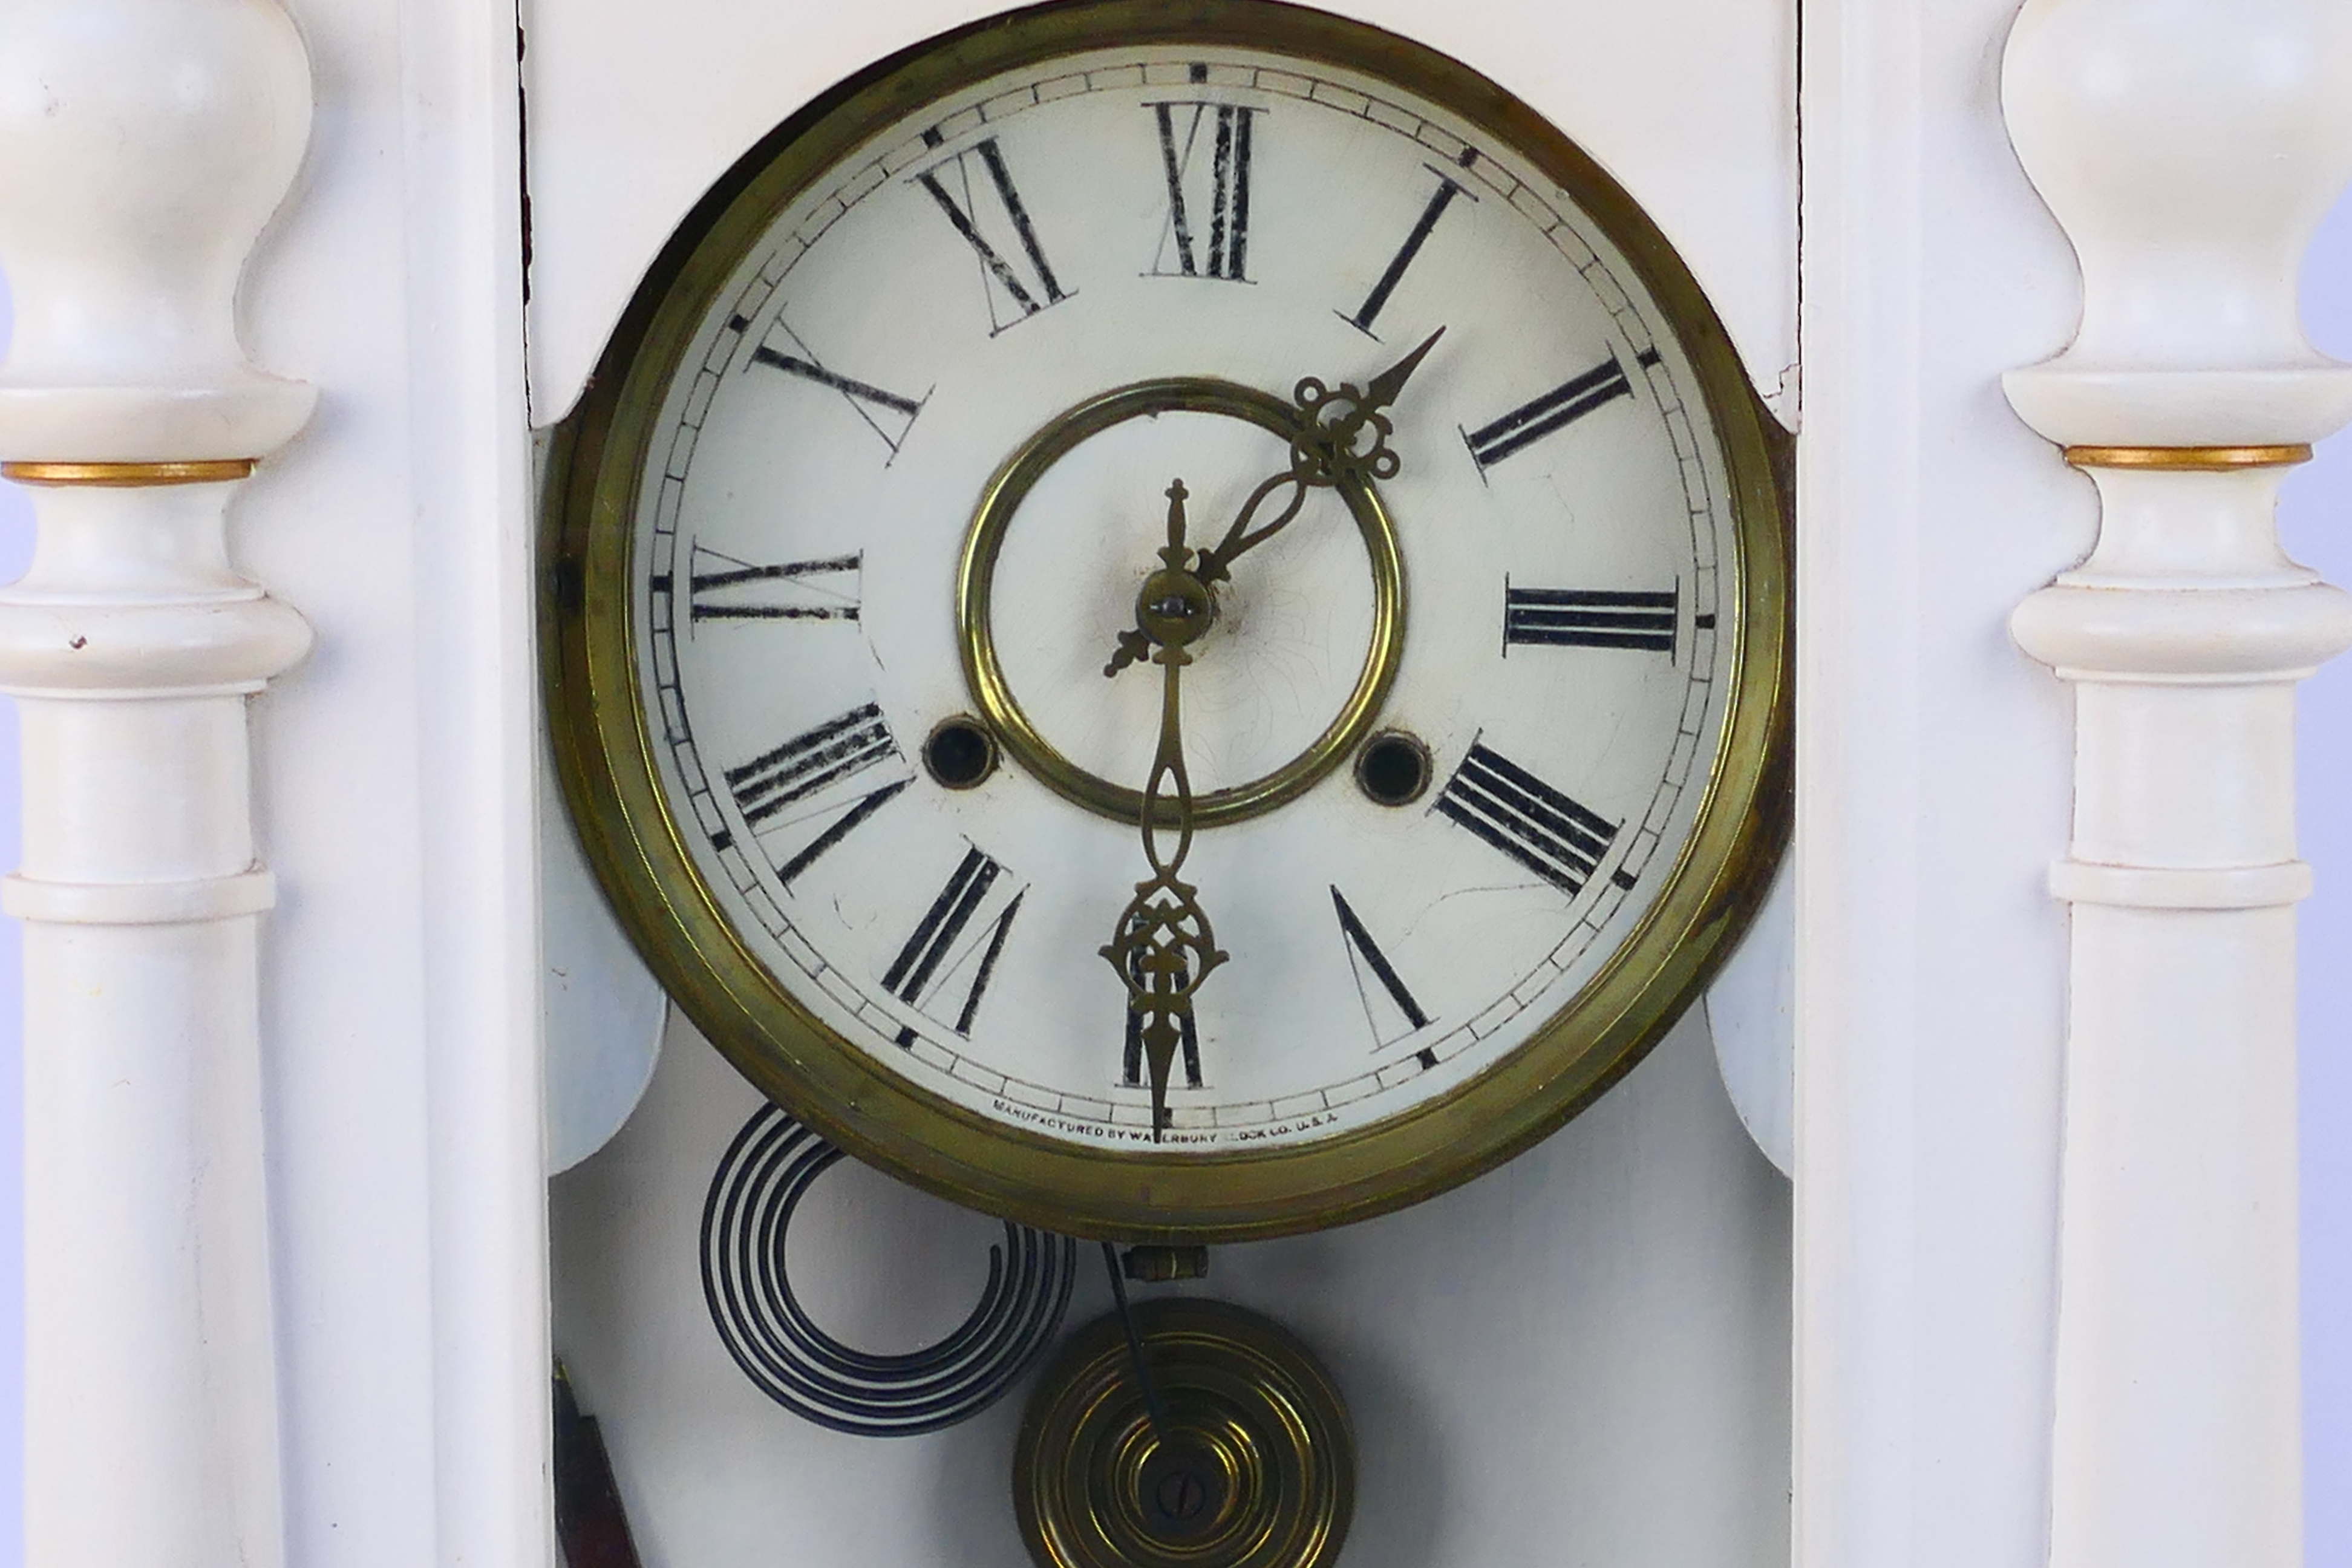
[143,144]
[2188,147]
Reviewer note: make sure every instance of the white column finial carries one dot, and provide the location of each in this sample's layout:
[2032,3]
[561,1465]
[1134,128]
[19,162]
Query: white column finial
[2189,148]
[144,146]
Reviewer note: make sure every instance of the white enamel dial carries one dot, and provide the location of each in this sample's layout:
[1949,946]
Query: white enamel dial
[1569,525]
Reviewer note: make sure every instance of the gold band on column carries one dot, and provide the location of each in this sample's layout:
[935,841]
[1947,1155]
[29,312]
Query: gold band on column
[2188,459]
[131,475]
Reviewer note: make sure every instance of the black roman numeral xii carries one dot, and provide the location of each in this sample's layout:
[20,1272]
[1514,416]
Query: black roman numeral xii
[1226,255]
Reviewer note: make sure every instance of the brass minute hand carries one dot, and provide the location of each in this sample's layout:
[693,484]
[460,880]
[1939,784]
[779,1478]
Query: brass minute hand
[1161,945]
[1329,446]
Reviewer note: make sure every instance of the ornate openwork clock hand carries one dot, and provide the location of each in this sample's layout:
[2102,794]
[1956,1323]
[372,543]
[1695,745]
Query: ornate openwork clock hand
[1329,447]
[1162,946]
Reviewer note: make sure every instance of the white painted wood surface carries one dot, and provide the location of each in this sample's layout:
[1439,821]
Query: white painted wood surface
[2190,149]
[395,1091]
[1690,102]
[604,1013]
[397,777]
[1751,1012]
[143,144]
[1933,782]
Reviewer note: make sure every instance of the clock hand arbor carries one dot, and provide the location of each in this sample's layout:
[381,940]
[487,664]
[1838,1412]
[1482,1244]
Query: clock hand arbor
[1161,945]
[1342,433]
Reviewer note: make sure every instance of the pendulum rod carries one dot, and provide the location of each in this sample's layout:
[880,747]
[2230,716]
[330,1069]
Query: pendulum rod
[1151,1404]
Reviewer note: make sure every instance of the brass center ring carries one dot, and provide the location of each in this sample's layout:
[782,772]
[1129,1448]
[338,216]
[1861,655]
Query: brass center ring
[991,693]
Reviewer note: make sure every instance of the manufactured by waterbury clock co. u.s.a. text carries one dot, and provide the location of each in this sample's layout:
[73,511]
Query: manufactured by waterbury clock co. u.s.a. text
[1170,621]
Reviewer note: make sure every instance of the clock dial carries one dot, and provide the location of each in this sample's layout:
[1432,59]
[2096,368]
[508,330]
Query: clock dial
[897,451]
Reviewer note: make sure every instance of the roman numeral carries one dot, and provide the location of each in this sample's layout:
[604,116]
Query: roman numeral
[1229,191]
[1578,617]
[1365,960]
[795,782]
[1132,1077]
[848,823]
[938,951]
[721,588]
[773,781]
[1526,819]
[1131,1074]
[1376,301]
[987,969]
[1011,297]
[1563,405]
[888,414]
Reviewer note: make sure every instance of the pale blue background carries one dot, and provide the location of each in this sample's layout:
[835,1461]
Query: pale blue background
[2318,522]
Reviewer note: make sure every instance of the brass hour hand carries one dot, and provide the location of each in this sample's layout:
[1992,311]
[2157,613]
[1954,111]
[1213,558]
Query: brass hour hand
[1174,607]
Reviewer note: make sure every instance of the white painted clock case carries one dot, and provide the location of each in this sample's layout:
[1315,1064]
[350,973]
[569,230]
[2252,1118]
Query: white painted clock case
[393,781]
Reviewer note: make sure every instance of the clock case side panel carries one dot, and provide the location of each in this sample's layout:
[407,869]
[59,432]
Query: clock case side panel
[604,752]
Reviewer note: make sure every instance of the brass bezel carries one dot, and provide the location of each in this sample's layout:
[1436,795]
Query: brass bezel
[606,757]
[976,632]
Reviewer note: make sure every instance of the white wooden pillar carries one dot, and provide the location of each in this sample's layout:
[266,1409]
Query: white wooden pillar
[2189,148]
[143,145]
